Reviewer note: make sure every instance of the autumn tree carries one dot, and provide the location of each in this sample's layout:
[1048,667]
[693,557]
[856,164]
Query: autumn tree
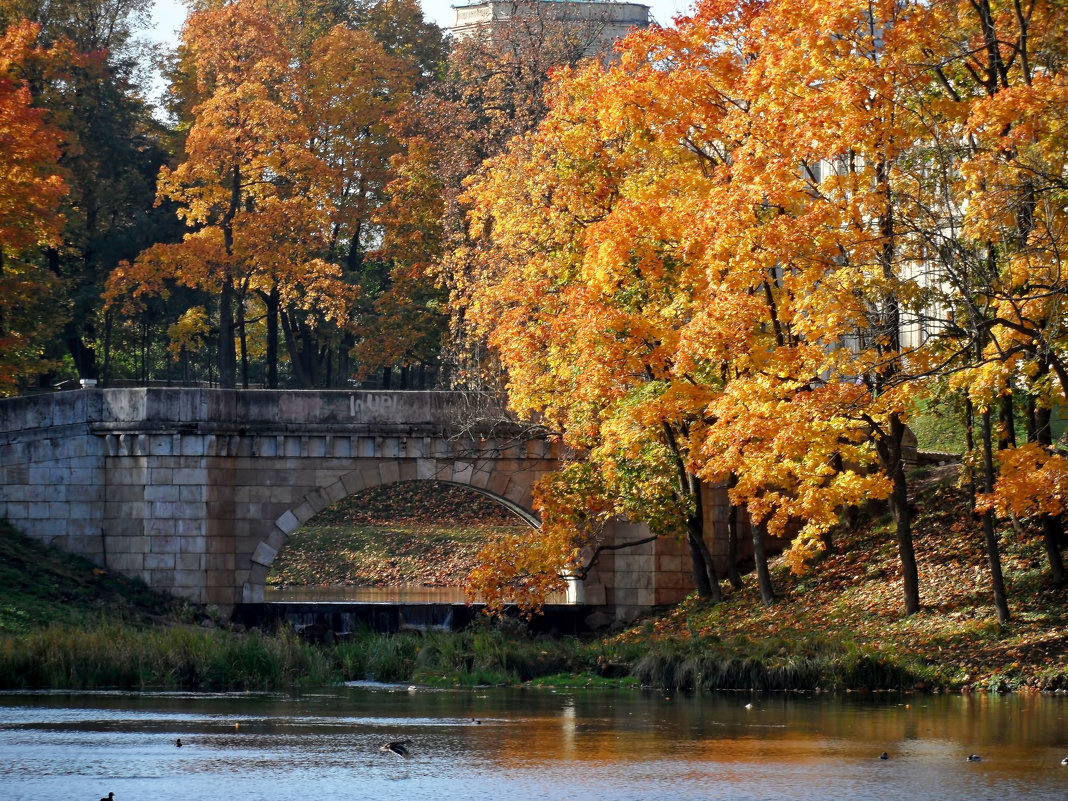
[657,285]
[29,214]
[250,187]
[346,72]
[772,176]
[990,113]
[492,90]
[110,151]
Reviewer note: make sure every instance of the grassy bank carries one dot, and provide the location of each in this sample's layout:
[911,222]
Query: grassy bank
[65,624]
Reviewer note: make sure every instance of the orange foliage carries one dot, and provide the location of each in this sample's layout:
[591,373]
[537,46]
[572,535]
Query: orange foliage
[29,209]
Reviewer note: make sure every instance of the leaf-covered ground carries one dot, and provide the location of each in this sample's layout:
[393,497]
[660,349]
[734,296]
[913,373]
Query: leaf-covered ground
[417,533]
[853,598]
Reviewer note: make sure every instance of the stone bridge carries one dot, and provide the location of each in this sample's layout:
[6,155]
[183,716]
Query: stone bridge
[195,491]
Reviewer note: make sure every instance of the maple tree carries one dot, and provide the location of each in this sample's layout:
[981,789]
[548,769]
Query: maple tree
[660,271]
[29,212]
[1014,169]
[299,101]
[991,232]
[741,221]
[284,158]
[110,150]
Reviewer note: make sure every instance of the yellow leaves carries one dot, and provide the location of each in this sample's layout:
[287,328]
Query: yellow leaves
[190,331]
[285,159]
[1031,480]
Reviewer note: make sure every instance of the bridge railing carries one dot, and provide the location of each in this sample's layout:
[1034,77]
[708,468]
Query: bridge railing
[203,409]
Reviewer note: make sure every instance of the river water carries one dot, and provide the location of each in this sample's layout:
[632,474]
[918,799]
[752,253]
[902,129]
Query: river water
[515,744]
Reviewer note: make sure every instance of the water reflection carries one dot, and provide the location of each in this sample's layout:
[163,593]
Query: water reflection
[526,744]
[404,593]
[400,593]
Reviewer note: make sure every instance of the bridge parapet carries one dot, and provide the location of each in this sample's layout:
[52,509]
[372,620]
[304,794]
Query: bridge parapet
[145,409]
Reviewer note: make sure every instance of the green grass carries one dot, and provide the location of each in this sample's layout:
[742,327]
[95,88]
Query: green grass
[938,423]
[42,586]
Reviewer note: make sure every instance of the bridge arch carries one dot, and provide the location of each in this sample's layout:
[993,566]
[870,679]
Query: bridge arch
[459,474]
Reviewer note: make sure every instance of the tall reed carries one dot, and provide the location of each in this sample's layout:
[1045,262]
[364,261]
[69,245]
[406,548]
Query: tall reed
[111,655]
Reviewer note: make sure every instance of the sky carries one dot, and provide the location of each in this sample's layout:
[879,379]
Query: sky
[169,14]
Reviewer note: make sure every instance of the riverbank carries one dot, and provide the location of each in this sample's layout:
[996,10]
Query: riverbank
[66,624]
[849,607]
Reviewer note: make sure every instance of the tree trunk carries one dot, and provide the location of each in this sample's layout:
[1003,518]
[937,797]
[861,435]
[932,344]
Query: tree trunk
[272,302]
[969,443]
[1052,525]
[733,543]
[1007,435]
[1052,533]
[888,447]
[701,578]
[696,525]
[993,554]
[243,339]
[760,557]
[733,539]
[107,348]
[296,357]
[227,351]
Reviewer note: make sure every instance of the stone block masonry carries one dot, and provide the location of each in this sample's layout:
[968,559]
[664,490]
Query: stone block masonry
[195,491]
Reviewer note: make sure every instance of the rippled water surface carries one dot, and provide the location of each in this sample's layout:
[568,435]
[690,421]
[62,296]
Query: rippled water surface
[529,744]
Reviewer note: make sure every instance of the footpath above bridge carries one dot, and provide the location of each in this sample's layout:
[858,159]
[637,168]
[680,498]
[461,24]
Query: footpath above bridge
[196,490]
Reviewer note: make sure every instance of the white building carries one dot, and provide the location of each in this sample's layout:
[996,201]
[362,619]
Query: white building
[612,20]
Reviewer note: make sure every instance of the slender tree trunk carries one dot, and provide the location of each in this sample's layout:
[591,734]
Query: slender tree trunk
[144,350]
[344,359]
[701,579]
[993,554]
[1052,534]
[696,525]
[889,446]
[760,557]
[969,443]
[1007,435]
[1052,525]
[107,348]
[243,339]
[227,351]
[889,450]
[733,538]
[296,358]
[273,301]
[733,545]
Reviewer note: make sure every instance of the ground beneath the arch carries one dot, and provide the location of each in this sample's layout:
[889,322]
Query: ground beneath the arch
[418,533]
